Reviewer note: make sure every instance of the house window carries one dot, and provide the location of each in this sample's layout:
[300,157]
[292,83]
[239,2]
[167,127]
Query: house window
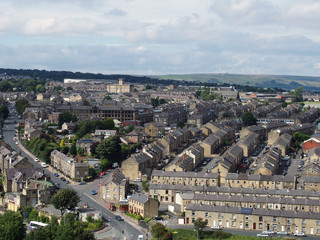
[78,172]
[260,218]
[233,223]
[156,191]
[288,220]
[246,225]
[86,172]
[247,217]
[303,221]
[192,220]
[207,214]
[120,190]
[274,219]
[219,222]
[233,216]
[318,222]
[289,228]
[274,227]
[114,196]
[193,214]
[303,229]
[219,215]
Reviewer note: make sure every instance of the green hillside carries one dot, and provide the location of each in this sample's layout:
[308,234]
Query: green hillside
[270,81]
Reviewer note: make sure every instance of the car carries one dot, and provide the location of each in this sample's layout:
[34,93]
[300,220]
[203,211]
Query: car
[216,227]
[159,218]
[282,233]
[300,234]
[284,172]
[263,235]
[118,218]
[56,174]
[102,173]
[204,163]
[36,159]
[82,183]
[93,192]
[268,232]
[140,237]
[137,180]
[63,179]
[67,182]
[44,165]
[57,185]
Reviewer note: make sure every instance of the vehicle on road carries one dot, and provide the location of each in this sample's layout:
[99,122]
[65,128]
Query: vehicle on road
[118,218]
[282,233]
[140,237]
[67,182]
[137,180]
[300,234]
[216,227]
[93,192]
[36,159]
[62,178]
[57,185]
[44,165]
[36,224]
[263,235]
[82,183]
[102,173]
[268,232]
[56,174]
[159,218]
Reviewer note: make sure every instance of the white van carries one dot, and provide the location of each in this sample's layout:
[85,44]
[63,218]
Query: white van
[140,237]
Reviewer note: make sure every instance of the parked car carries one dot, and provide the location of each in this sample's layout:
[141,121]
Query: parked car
[93,192]
[56,174]
[268,232]
[140,237]
[36,159]
[118,218]
[63,179]
[57,185]
[102,173]
[300,234]
[263,235]
[82,183]
[67,182]
[216,227]
[44,165]
[282,233]
[137,180]
[158,218]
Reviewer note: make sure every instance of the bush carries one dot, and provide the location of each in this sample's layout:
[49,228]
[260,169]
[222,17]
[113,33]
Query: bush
[221,234]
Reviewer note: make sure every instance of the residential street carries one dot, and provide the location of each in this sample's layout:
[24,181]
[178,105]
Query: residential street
[130,231]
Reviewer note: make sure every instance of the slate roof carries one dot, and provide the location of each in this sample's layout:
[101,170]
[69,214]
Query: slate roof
[139,198]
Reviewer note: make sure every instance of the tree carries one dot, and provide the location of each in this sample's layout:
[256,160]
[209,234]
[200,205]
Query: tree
[40,88]
[73,149]
[299,138]
[21,105]
[110,148]
[108,124]
[12,226]
[199,225]
[248,119]
[65,199]
[107,97]
[158,230]
[64,116]
[4,112]
[92,172]
[180,124]
[5,86]
[93,148]
[298,93]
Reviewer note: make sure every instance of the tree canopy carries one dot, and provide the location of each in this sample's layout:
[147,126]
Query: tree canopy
[66,116]
[248,119]
[12,226]
[199,225]
[110,149]
[298,93]
[65,199]
[21,105]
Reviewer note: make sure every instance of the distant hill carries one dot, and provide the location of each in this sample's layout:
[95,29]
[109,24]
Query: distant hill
[265,81]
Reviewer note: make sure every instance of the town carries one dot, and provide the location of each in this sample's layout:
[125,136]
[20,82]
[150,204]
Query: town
[142,155]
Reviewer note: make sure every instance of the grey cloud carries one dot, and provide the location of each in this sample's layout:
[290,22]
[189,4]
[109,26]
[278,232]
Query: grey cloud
[116,12]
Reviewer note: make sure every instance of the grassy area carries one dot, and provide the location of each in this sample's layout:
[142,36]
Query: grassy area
[184,234]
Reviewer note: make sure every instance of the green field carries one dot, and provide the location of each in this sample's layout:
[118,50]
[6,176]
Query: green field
[270,81]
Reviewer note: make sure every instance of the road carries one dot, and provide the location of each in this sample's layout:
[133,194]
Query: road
[130,232]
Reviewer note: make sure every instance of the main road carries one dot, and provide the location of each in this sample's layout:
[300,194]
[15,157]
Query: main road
[128,231]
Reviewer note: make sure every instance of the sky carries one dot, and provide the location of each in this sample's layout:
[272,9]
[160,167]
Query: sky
[150,37]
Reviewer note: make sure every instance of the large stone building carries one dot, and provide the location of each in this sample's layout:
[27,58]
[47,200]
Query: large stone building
[67,165]
[120,88]
[115,187]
